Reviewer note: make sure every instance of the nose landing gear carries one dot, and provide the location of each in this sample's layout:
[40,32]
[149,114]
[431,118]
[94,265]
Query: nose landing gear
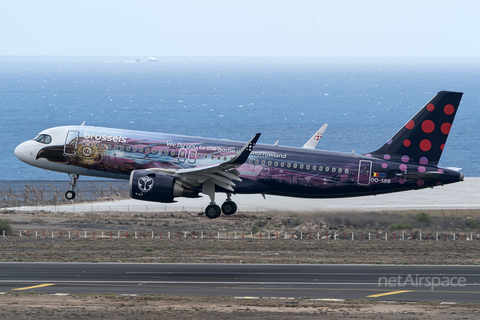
[70,194]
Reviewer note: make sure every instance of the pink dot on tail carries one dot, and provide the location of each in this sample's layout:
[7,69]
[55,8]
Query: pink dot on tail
[402,167]
[405,158]
[440,170]
[386,157]
[421,169]
[384,165]
[389,141]
[430,107]
[423,160]
[442,146]
[428,126]
[410,124]
[449,109]
[420,182]
[446,128]
[401,180]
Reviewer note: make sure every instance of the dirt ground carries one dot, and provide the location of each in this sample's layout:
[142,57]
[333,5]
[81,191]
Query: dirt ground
[240,251]
[28,306]
[195,250]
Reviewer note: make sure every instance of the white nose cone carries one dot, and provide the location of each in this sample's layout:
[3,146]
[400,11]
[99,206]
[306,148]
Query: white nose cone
[25,152]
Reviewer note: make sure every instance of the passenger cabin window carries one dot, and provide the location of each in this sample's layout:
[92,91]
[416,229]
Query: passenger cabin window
[43,138]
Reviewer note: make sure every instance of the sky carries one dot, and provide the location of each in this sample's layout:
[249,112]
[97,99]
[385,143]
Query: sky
[341,28]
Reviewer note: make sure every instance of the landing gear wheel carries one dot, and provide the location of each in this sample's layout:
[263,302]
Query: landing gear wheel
[213,211]
[229,207]
[70,195]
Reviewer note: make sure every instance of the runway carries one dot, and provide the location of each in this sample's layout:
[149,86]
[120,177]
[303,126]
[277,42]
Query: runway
[247,281]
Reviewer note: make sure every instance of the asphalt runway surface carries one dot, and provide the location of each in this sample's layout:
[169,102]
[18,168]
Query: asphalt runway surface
[243,280]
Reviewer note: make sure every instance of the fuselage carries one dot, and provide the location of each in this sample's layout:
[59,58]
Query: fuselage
[277,170]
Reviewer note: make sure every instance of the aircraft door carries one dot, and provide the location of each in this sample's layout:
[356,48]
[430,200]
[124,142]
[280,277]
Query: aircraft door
[182,155]
[192,156]
[70,147]
[364,172]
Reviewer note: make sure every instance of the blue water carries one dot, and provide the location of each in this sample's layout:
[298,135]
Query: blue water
[364,101]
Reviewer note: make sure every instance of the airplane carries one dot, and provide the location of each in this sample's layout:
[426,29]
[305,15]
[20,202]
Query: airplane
[161,167]
[313,141]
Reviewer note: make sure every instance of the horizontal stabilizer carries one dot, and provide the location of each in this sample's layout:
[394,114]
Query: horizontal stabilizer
[420,175]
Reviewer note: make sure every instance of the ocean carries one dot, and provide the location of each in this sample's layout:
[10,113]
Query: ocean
[364,100]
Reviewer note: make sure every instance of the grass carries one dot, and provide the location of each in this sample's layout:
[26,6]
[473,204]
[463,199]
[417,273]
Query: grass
[423,217]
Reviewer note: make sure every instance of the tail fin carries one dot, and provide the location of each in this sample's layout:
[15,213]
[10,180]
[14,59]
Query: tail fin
[423,137]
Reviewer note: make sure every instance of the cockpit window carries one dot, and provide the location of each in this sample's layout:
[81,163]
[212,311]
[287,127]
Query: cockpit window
[43,138]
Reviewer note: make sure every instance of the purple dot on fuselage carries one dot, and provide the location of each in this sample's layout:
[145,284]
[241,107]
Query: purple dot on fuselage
[389,141]
[423,160]
[405,158]
[421,169]
[403,167]
[384,165]
[420,182]
[440,170]
[386,157]
[401,181]
[368,154]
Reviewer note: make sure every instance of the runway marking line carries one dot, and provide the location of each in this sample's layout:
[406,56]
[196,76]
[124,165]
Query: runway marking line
[37,286]
[387,293]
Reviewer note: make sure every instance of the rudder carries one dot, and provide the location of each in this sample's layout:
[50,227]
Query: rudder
[423,138]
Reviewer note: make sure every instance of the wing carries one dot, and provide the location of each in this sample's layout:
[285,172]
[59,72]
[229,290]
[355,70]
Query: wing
[222,174]
[312,143]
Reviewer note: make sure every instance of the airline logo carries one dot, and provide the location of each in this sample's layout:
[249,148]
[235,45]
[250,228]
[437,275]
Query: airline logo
[104,137]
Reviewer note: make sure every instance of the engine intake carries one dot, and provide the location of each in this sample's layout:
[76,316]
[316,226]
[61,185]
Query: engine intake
[157,187]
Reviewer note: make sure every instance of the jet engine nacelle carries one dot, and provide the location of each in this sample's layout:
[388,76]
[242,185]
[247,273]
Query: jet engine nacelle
[158,187]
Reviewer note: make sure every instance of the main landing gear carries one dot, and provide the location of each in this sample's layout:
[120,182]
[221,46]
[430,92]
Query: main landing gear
[213,211]
[70,194]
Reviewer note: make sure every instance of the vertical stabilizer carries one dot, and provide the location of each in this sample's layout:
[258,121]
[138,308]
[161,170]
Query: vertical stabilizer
[423,138]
